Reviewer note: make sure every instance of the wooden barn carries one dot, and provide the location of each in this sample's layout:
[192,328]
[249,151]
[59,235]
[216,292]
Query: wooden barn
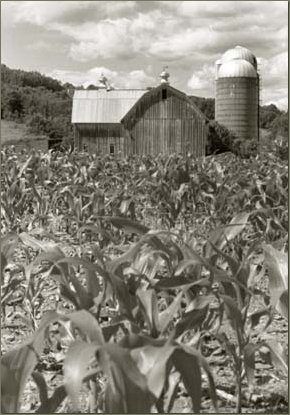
[159,120]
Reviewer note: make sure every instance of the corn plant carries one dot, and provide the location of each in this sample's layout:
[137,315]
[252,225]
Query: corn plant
[142,302]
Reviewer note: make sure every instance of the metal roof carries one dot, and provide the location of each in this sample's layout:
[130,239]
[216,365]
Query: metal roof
[239,68]
[239,52]
[102,106]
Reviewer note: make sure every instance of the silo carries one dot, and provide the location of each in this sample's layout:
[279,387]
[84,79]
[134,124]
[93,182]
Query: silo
[237,93]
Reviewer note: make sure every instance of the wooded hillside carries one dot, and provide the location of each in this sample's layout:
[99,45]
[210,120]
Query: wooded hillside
[38,101]
[44,106]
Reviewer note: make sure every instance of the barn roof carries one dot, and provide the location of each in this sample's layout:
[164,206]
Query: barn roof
[102,106]
[177,92]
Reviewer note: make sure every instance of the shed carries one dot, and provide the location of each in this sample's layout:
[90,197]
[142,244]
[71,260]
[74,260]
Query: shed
[159,120]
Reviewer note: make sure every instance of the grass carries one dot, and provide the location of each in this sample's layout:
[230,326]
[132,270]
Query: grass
[13,132]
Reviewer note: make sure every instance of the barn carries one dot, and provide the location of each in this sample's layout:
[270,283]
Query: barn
[158,120]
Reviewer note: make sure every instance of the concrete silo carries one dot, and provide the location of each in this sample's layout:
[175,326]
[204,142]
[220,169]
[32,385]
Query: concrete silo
[237,93]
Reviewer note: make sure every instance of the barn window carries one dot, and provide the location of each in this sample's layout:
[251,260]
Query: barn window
[164,93]
[112,149]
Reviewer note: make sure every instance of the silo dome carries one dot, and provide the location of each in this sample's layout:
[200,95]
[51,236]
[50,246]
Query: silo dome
[238,68]
[239,52]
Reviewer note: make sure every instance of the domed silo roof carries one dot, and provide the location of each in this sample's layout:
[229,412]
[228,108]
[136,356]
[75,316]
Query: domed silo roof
[239,52]
[238,68]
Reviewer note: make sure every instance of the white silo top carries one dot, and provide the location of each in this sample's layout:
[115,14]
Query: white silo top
[239,52]
[238,68]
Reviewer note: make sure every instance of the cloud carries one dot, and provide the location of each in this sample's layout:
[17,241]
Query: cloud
[46,12]
[274,80]
[169,29]
[277,96]
[120,38]
[203,80]
[39,44]
[132,36]
[121,79]
[277,66]
[106,39]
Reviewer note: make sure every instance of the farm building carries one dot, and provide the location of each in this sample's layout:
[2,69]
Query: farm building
[237,93]
[159,120]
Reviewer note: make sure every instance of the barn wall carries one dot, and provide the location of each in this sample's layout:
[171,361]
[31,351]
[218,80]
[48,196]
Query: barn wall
[98,138]
[166,126]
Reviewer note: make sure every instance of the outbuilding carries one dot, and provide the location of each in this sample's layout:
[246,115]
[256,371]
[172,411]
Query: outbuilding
[158,120]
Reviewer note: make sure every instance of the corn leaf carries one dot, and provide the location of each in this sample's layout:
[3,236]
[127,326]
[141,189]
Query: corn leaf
[75,367]
[41,384]
[51,404]
[277,264]
[88,325]
[3,266]
[149,307]
[188,366]
[256,316]
[191,319]
[182,265]
[152,362]
[275,355]
[128,225]
[233,312]
[127,390]
[171,394]
[8,244]
[18,364]
[179,282]
[220,237]
[166,316]
[249,362]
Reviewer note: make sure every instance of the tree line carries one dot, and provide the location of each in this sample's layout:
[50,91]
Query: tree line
[39,101]
[44,105]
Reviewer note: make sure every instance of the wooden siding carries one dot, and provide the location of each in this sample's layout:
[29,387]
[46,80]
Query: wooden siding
[98,138]
[154,125]
[166,125]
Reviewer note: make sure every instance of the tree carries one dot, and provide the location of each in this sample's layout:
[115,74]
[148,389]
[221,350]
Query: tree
[15,103]
[206,106]
[279,126]
[268,113]
[220,139]
[92,87]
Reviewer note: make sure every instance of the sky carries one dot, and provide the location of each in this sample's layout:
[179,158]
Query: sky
[131,41]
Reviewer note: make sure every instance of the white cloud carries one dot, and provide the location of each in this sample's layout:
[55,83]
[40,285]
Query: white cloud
[120,38]
[121,79]
[39,44]
[203,81]
[274,80]
[190,35]
[277,66]
[179,44]
[277,96]
[45,12]
[106,39]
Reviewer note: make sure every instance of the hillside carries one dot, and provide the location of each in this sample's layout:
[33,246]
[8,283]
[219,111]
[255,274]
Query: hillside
[12,132]
[43,106]
[37,101]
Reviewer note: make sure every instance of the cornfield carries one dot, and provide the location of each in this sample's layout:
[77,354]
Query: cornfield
[128,285]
